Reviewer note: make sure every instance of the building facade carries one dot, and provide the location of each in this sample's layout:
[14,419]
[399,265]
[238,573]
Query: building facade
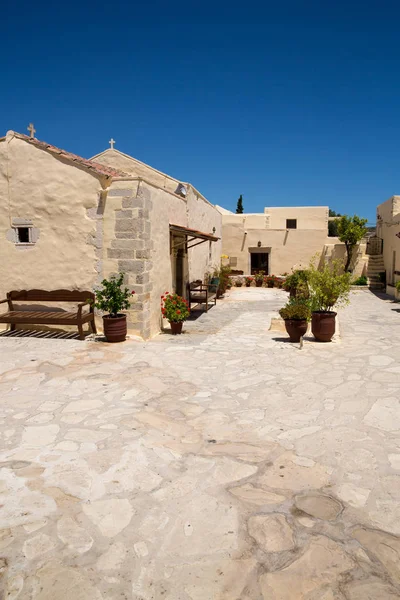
[388,230]
[67,222]
[277,240]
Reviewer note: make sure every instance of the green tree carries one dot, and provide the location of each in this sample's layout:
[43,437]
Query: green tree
[333,213]
[351,230]
[239,206]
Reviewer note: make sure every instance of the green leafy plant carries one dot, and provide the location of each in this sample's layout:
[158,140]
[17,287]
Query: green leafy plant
[351,230]
[398,286]
[259,276]
[360,281]
[297,283]
[239,282]
[297,310]
[223,274]
[239,205]
[329,285]
[174,308]
[112,298]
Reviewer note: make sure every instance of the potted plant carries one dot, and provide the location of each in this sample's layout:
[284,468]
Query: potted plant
[176,310]
[238,282]
[259,278]
[112,298]
[296,283]
[397,291]
[329,287]
[248,281]
[222,274]
[270,280]
[296,315]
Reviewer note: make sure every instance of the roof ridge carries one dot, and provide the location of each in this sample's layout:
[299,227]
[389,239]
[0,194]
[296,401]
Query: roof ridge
[84,162]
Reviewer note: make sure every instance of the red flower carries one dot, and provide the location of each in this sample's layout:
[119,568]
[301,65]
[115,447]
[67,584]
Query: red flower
[166,293]
[133,292]
[178,312]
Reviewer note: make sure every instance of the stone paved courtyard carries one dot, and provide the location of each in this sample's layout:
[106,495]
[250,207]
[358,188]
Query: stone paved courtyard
[223,464]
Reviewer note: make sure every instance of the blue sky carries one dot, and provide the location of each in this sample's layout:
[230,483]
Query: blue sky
[292,106]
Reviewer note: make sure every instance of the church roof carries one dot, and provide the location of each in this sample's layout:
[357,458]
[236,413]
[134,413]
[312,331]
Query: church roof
[91,165]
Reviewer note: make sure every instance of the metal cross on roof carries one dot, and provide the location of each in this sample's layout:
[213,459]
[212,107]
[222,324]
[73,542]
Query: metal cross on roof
[31,130]
[112,142]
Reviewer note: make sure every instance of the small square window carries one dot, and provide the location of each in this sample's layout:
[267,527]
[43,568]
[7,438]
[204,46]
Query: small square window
[23,235]
[291,223]
[233,261]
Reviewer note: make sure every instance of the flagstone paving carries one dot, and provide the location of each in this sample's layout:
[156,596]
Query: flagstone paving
[222,464]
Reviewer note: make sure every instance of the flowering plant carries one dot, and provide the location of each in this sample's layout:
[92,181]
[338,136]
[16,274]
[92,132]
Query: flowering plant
[249,280]
[270,279]
[259,276]
[174,308]
[112,298]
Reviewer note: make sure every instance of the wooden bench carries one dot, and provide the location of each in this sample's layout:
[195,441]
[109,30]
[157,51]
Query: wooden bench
[38,315]
[201,293]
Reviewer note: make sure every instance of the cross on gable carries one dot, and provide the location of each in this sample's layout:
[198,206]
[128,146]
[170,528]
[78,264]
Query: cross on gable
[31,130]
[112,142]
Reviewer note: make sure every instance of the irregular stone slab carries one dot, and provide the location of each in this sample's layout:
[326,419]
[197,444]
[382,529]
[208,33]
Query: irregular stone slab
[321,564]
[384,547]
[246,452]
[113,558]
[14,587]
[86,435]
[271,532]
[285,474]
[82,405]
[353,495]
[370,589]
[258,496]
[162,423]
[231,470]
[38,437]
[384,414]
[65,583]
[319,506]
[110,516]
[74,536]
[38,545]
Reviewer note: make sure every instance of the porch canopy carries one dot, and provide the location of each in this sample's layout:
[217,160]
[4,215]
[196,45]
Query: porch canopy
[192,236]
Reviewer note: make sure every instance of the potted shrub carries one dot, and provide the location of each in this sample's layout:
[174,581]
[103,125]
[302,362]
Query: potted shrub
[222,274]
[248,281]
[112,299]
[259,278]
[176,310]
[296,315]
[270,280]
[397,291]
[239,282]
[329,287]
[296,283]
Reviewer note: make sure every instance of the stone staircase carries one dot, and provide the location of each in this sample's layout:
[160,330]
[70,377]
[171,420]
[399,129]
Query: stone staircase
[375,266]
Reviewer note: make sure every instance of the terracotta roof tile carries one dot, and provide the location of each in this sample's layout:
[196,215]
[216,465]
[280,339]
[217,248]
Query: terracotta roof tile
[98,168]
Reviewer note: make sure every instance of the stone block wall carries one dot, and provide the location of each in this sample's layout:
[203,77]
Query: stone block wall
[129,249]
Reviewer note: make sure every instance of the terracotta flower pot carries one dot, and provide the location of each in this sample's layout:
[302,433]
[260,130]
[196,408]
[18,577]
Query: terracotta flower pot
[115,328]
[259,283]
[296,328]
[247,284]
[323,325]
[176,327]
[270,284]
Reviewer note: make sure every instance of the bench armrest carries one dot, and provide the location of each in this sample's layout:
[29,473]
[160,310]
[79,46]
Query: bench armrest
[81,305]
[2,301]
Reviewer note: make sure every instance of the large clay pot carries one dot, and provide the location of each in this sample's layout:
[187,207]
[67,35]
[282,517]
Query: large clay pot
[259,283]
[296,328]
[323,325]
[176,327]
[270,284]
[114,328]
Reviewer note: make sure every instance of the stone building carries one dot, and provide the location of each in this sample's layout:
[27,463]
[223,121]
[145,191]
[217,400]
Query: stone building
[277,240]
[388,231]
[67,222]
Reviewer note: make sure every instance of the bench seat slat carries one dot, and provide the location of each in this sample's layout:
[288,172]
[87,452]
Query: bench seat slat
[32,317]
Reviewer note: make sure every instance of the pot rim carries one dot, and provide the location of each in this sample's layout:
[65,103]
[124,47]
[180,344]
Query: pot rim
[118,316]
[324,312]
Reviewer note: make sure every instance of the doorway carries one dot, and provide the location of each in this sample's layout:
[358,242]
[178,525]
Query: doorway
[259,262]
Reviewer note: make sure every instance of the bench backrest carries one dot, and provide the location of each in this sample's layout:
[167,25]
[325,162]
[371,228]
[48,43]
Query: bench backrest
[50,296]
